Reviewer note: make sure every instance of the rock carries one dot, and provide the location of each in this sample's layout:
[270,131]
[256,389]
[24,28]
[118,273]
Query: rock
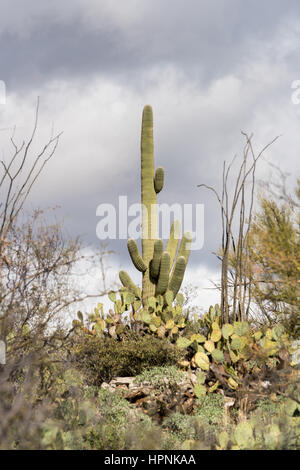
[194,378]
[137,393]
[106,386]
[265,383]
[184,364]
[228,402]
[296,353]
[158,402]
[188,405]
[133,386]
[189,393]
[122,387]
[122,381]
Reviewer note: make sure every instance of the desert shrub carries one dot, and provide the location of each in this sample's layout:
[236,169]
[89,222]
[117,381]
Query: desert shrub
[210,409]
[275,260]
[115,419]
[231,355]
[28,386]
[262,431]
[267,406]
[102,358]
[200,429]
[193,326]
[188,432]
[158,376]
[183,426]
[104,421]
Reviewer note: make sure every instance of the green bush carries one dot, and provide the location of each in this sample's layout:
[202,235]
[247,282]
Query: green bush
[114,422]
[278,431]
[183,426]
[268,407]
[158,376]
[104,422]
[210,408]
[101,359]
[201,428]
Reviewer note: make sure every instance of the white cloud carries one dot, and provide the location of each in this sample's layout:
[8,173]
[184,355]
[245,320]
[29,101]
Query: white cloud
[196,126]
[101,124]
[205,77]
[98,132]
[205,280]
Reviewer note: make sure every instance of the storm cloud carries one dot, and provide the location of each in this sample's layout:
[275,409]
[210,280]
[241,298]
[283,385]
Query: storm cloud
[209,70]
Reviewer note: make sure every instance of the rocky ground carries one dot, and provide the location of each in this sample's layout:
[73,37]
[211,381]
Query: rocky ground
[159,400]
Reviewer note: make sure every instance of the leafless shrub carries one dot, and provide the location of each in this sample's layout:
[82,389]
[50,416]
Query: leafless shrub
[235,279]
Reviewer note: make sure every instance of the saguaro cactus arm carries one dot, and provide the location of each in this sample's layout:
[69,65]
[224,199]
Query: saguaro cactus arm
[163,279]
[159,179]
[129,284]
[185,248]
[135,255]
[173,241]
[178,271]
[177,275]
[155,263]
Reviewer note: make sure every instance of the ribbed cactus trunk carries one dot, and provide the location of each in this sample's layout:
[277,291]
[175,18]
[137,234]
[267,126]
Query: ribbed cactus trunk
[149,205]
[161,270]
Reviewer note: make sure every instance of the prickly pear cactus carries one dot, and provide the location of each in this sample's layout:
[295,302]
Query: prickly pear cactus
[162,270]
[224,352]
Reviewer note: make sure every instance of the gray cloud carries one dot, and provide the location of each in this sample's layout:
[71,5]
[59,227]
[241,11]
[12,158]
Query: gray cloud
[209,69]
[80,38]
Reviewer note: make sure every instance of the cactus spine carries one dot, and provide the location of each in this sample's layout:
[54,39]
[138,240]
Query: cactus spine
[161,270]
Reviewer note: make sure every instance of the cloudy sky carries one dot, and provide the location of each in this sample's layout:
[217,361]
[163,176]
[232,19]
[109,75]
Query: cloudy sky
[208,68]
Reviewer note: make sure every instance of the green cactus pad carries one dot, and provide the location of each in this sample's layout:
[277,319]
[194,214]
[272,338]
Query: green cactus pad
[218,355]
[227,330]
[199,390]
[201,360]
[243,435]
[169,297]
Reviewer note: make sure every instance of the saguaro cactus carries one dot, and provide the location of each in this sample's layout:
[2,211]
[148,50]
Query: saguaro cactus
[161,270]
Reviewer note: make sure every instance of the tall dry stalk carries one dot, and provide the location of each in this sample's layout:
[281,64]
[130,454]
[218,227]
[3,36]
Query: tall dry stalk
[236,283]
